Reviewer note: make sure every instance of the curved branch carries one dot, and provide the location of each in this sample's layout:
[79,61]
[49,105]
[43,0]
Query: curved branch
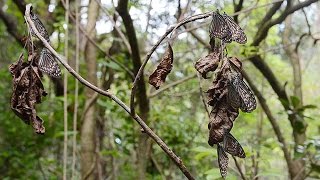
[147,57]
[107,93]
[264,29]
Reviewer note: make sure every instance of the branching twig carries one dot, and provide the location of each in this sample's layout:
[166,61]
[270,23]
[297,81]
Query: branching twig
[171,85]
[122,36]
[107,93]
[99,48]
[239,168]
[271,118]
[146,59]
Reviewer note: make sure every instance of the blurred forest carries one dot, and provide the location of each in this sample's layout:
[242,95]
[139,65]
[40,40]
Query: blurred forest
[89,136]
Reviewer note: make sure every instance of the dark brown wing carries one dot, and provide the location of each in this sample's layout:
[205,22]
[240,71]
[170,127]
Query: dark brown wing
[218,26]
[238,34]
[232,146]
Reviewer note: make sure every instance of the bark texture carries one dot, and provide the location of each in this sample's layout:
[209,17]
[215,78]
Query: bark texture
[88,128]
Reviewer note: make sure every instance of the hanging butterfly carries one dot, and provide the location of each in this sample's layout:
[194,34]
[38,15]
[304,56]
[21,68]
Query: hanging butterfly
[223,161]
[232,146]
[48,64]
[239,88]
[39,26]
[219,27]
[237,33]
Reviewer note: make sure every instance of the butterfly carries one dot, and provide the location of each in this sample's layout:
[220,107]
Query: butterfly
[232,146]
[223,161]
[48,64]
[219,28]
[237,34]
[239,94]
[39,26]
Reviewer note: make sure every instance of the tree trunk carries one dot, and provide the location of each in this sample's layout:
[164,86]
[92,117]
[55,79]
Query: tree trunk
[88,134]
[144,142]
[297,169]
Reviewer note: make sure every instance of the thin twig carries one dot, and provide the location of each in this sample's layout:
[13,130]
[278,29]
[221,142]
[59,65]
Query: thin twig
[76,94]
[122,36]
[65,96]
[271,119]
[202,96]
[100,48]
[148,15]
[239,168]
[107,93]
[171,85]
[138,76]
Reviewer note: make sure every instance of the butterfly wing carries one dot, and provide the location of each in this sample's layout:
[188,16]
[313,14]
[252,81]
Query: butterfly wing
[248,101]
[238,34]
[48,64]
[223,161]
[218,26]
[233,98]
[40,27]
[232,146]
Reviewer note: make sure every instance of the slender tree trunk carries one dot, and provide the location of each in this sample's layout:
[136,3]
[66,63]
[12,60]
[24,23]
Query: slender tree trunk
[297,169]
[88,129]
[144,142]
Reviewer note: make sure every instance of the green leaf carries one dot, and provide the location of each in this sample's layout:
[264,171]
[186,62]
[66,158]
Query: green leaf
[295,101]
[315,167]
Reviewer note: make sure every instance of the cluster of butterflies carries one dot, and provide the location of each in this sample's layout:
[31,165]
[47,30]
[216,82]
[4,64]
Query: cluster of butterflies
[47,61]
[239,95]
[225,28]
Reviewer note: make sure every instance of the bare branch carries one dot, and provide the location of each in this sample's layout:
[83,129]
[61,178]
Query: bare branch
[98,47]
[263,30]
[171,85]
[146,59]
[107,93]
[239,168]
[122,36]
[271,118]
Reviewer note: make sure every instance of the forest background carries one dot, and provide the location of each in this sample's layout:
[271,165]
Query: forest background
[90,137]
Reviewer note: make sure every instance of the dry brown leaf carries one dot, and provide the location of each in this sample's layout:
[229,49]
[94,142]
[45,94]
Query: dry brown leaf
[27,92]
[158,77]
[208,63]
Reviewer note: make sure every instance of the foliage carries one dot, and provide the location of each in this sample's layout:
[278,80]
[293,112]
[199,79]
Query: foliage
[177,114]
